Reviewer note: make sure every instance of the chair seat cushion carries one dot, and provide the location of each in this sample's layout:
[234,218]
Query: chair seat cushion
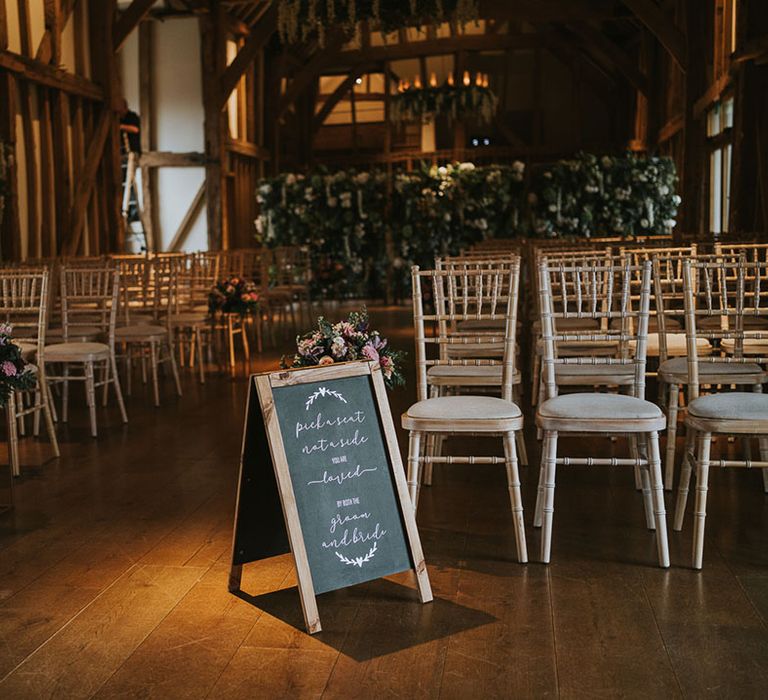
[469,375]
[190,318]
[474,324]
[476,350]
[676,345]
[570,324]
[714,323]
[76,352]
[28,350]
[140,332]
[599,413]
[675,371]
[576,374]
[463,414]
[736,405]
[752,346]
[671,324]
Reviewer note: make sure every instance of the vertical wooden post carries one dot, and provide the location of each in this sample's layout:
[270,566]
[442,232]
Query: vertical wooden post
[10,233]
[146,102]
[212,54]
[694,146]
[460,128]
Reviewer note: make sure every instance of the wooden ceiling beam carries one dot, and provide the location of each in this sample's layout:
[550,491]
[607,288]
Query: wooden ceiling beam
[610,52]
[50,76]
[338,94]
[550,10]
[129,19]
[436,47]
[260,35]
[662,26]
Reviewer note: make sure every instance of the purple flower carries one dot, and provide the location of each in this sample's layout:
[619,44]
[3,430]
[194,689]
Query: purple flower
[9,369]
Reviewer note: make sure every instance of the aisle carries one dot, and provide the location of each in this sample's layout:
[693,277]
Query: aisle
[113,572]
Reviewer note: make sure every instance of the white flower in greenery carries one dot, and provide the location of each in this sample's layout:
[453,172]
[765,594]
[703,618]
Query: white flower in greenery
[442,171]
[606,161]
[362,178]
[548,175]
[670,223]
[332,202]
[447,217]
[644,223]
[338,347]
[309,194]
[677,199]
[482,224]
[532,198]
[259,225]
[463,167]
[552,207]
[290,179]
[663,190]
[518,166]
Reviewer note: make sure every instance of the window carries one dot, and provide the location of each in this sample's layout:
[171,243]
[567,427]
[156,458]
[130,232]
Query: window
[719,128]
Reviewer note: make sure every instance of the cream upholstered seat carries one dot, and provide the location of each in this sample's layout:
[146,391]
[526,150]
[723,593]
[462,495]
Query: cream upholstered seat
[751,346]
[676,346]
[675,371]
[28,349]
[462,414]
[139,332]
[605,289]
[732,406]
[79,333]
[629,413]
[586,374]
[76,352]
[735,289]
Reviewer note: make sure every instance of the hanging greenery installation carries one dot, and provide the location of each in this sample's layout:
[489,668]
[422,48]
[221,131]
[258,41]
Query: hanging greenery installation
[468,99]
[299,20]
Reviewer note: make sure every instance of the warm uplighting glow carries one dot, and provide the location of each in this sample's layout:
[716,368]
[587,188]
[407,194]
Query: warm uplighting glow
[417,82]
[485,80]
[479,80]
[450,79]
[433,80]
[467,78]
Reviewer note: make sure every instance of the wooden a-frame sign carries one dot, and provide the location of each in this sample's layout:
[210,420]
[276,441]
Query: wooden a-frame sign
[331,488]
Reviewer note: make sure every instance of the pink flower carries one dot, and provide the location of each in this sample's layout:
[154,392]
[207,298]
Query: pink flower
[386,366]
[9,369]
[370,352]
[325,360]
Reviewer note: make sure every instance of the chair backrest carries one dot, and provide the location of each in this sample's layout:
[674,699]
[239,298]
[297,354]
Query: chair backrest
[24,303]
[603,292]
[89,298]
[292,265]
[135,297]
[465,295]
[752,252]
[736,292]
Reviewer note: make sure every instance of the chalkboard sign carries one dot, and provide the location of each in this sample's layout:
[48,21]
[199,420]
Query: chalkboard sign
[337,475]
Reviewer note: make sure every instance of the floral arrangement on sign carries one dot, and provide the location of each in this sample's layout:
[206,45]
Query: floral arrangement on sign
[15,374]
[5,162]
[415,103]
[591,195]
[346,341]
[357,233]
[234,296]
[299,20]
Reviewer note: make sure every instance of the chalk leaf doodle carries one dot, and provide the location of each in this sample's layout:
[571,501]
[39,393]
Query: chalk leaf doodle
[359,561]
[322,391]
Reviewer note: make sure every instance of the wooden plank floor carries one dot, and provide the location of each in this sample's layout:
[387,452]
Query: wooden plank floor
[113,572]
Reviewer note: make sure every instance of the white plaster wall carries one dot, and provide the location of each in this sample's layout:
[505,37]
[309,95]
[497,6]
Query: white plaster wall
[178,113]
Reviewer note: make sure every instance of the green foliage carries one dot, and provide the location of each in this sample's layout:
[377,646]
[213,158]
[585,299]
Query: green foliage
[591,196]
[457,101]
[300,20]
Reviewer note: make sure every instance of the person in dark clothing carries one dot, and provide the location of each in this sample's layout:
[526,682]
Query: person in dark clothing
[130,129]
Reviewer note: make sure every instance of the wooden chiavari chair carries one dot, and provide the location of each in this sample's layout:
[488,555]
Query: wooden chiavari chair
[602,292]
[24,305]
[89,297]
[483,295]
[733,292]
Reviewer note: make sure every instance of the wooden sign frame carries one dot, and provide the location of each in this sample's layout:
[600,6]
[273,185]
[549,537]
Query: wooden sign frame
[264,384]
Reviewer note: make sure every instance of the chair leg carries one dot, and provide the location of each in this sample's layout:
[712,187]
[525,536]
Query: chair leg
[689,459]
[118,391]
[198,340]
[38,407]
[414,454]
[90,396]
[659,509]
[669,460]
[537,513]
[535,370]
[246,345]
[548,464]
[429,451]
[65,395]
[153,349]
[632,439]
[515,497]
[763,442]
[174,367]
[700,510]
[47,404]
[13,434]
[645,481]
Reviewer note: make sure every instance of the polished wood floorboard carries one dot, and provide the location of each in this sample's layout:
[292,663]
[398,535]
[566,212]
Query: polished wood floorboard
[114,563]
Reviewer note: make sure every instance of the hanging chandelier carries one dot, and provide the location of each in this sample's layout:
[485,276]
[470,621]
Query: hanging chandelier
[300,20]
[460,100]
